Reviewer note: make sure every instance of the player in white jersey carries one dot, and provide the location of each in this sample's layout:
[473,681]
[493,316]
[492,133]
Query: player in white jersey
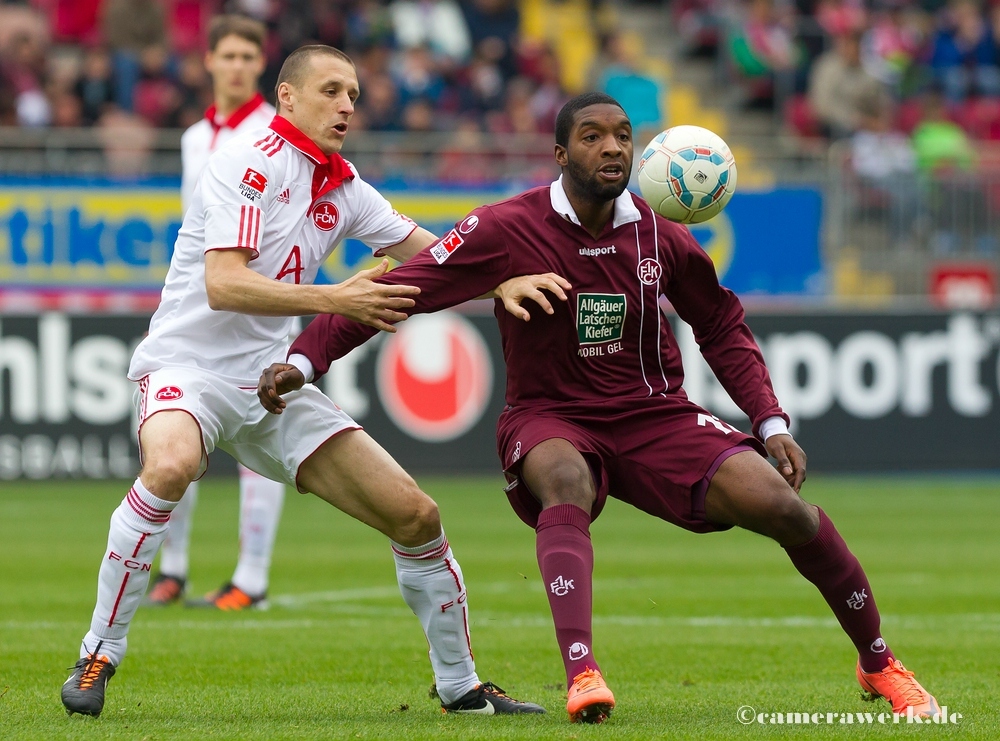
[266,213]
[235,61]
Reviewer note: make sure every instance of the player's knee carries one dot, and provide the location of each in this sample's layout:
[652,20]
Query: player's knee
[419,521]
[793,520]
[168,477]
[568,483]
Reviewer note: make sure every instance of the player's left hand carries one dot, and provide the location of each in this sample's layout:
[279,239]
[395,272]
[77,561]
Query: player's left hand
[278,379]
[790,457]
[514,291]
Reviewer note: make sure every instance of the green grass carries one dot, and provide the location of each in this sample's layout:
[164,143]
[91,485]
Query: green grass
[687,628]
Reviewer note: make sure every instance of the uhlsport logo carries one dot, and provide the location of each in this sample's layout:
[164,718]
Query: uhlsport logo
[169,393]
[878,645]
[577,651]
[325,216]
[435,376]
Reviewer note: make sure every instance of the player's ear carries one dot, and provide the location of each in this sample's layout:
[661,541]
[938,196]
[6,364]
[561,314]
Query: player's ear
[562,156]
[284,96]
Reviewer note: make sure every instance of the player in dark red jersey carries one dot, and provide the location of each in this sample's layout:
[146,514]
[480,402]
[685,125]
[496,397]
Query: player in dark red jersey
[595,406]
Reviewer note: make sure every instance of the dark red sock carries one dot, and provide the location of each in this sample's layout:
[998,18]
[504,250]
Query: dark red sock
[566,560]
[826,562]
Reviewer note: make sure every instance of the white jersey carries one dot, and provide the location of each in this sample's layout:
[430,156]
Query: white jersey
[274,193]
[214,132]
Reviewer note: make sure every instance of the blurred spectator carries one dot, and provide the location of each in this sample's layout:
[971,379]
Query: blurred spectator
[156,96]
[22,66]
[130,26]
[67,110]
[638,93]
[96,86]
[892,44]
[368,24]
[418,116]
[416,76]
[380,104]
[964,55]
[517,116]
[74,20]
[540,64]
[840,90]
[884,161]
[437,24]
[493,27]
[195,89]
[764,53]
[127,141]
[940,144]
[462,161]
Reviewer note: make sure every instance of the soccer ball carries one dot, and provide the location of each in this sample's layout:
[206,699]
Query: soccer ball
[687,174]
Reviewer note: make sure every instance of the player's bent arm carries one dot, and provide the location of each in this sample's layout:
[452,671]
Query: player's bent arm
[232,285]
[512,292]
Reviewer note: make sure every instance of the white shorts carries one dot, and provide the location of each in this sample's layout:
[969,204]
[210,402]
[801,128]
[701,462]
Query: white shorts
[231,418]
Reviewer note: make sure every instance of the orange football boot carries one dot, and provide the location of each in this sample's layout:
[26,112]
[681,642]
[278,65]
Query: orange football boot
[589,700]
[900,689]
[230,598]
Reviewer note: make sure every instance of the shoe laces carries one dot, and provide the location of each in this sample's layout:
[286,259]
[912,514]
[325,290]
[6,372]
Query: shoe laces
[93,668]
[492,689]
[902,681]
[589,679]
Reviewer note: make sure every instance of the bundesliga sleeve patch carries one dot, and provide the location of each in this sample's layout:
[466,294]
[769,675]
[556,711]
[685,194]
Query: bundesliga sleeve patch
[448,244]
[253,184]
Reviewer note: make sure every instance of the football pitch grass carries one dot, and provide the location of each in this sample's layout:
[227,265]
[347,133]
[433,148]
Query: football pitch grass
[687,628]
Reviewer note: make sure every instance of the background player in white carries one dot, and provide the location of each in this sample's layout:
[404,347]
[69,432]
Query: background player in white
[235,60]
[268,210]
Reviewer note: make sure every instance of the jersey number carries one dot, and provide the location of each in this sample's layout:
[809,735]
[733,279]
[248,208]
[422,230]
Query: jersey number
[292,266]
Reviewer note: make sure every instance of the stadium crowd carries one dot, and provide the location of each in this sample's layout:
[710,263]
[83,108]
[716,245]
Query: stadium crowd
[424,65]
[836,67]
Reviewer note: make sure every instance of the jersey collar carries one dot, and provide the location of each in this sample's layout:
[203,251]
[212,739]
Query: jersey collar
[625,208]
[331,171]
[236,117]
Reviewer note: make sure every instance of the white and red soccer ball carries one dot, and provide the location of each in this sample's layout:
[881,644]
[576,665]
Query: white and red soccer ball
[687,174]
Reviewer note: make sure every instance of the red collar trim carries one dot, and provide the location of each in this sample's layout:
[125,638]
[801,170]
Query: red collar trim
[236,117]
[330,171]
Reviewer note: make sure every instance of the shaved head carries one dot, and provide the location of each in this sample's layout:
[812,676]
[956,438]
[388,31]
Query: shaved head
[298,63]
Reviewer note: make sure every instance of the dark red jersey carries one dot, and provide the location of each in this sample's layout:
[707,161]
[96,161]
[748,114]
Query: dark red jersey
[610,342]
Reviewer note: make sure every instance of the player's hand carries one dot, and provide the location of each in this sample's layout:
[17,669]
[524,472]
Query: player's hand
[378,305]
[278,379]
[513,292]
[790,457]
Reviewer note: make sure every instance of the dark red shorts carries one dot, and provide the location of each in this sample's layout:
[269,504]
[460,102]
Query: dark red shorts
[659,455]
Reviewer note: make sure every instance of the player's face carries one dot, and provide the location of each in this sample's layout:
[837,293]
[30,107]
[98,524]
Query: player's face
[235,65]
[322,107]
[598,157]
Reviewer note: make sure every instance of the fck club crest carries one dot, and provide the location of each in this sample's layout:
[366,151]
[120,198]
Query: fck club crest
[649,271]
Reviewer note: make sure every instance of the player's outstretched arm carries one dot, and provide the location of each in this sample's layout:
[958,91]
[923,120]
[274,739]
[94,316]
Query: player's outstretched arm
[232,286]
[790,457]
[513,292]
[276,380]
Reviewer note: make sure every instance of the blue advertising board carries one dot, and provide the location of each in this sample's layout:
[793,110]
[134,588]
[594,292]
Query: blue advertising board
[107,236]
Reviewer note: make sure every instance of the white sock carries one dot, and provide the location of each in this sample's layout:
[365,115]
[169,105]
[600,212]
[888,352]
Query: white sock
[138,526]
[261,501]
[174,554]
[430,580]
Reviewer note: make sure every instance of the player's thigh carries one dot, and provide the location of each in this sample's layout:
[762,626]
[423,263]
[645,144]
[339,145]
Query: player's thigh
[357,476]
[748,492]
[182,413]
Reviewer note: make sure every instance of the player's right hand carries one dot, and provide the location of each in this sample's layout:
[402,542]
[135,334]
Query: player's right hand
[515,291]
[376,304]
[278,379]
